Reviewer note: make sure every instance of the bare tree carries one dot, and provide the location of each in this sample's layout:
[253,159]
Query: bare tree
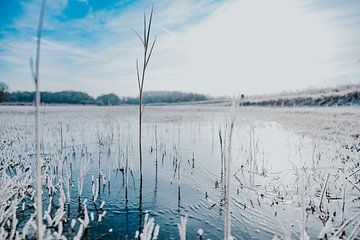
[35,75]
[4,88]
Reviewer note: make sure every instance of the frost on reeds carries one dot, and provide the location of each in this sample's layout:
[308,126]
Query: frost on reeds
[222,155]
[200,233]
[94,188]
[13,189]
[60,212]
[341,229]
[84,168]
[38,163]
[252,155]
[228,160]
[303,232]
[84,222]
[182,227]
[101,144]
[67,186]
[150,230]
[14,219]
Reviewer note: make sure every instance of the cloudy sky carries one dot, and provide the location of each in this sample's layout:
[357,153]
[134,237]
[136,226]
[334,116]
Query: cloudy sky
[217,47]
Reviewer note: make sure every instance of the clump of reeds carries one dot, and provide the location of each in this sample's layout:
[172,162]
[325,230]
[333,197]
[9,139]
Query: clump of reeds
[84,168]
[150,230]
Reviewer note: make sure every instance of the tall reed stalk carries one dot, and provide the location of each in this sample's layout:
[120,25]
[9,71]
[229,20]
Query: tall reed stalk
[148,49]
[227,227]
[35,76]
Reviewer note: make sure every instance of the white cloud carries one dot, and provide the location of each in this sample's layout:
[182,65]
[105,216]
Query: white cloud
[253,47]
[244,46]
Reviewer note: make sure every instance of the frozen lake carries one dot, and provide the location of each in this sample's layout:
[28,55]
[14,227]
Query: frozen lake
[284,179]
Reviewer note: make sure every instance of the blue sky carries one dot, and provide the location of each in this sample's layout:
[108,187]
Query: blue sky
[219,47]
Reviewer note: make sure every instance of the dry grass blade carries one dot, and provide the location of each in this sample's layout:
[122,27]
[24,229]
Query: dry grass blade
[151,50]
[145,40]
[345,224]
[137,73]
[149,27]
[141,39]
[324,190]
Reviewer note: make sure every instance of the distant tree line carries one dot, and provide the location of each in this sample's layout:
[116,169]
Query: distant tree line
[77,97]
[166,97]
